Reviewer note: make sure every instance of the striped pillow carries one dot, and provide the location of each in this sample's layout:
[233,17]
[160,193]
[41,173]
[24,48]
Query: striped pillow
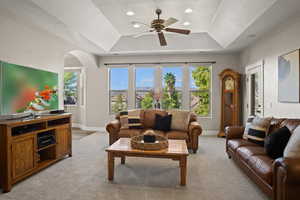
[247,127]
[258,130]
[130,119]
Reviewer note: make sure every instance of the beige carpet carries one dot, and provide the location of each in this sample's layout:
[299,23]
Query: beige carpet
[211,176]
[78,134]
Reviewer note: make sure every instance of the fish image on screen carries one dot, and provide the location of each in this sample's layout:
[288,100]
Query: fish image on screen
[24,89]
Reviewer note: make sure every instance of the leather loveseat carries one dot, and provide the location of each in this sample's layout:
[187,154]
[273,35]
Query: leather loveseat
[280,178]
[148,120]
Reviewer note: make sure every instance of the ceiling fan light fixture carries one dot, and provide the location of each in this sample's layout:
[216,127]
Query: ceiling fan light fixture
[130,13]
[188,10]
[186,23]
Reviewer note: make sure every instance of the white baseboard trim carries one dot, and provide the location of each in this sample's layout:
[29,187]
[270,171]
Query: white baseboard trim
[88,128]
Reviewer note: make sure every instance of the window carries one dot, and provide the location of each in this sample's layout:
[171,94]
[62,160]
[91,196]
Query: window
[200,83]
[172,87]
[118,89]
[144,84]
[71,80]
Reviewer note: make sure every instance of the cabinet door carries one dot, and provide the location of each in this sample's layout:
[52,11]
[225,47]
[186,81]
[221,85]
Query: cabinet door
[63,140]
[23,154]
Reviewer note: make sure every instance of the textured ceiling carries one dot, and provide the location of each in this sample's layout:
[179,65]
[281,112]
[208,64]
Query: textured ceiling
[200,18]
[102,26]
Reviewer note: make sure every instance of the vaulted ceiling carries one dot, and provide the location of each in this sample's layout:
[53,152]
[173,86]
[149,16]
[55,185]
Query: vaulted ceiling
[103,27]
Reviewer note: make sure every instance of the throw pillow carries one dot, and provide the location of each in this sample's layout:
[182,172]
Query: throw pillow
[247,127]
[130,119]
[292,149]
[276,142]
[258,130]
[180,120]
[163,123]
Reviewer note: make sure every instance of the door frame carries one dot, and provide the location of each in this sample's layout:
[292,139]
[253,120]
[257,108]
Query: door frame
[259,67]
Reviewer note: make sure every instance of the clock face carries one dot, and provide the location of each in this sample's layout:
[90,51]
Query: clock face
[229,83]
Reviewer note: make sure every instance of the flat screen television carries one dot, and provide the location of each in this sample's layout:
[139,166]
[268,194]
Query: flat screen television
[25,89]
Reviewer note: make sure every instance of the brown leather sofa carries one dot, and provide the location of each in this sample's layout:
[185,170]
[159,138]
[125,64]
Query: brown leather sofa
[148,120]
[280,178]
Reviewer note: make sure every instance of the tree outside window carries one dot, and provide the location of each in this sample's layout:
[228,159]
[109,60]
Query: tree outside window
[200,90]
[71,88]
[144,84]
[118,89]
[172,86]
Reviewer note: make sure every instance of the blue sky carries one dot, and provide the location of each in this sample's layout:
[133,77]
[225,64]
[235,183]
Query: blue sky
[144,77]
[119,78]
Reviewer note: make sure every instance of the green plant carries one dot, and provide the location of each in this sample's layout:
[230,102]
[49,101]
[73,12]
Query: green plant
[70,87]
[119,105]
[201,76]
[170,95]
[147,101]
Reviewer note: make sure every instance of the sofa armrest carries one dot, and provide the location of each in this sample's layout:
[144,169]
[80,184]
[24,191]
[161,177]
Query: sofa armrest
[195,128]
[113,128]
[234,132]
[194,131]
[286,179]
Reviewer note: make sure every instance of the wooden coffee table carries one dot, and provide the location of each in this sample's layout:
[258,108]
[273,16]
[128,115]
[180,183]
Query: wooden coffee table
[177,151]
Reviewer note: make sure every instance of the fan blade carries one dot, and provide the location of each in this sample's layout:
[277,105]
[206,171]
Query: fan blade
[162,39]
[141,23]
[170,21]
[142,34]
[176,30]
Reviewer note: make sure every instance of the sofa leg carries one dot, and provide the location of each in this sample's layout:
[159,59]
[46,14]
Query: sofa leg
[195,150]
[229,156]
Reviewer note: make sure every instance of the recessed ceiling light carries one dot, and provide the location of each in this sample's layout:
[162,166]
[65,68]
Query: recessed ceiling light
[135,25]
[186,23]
[188,10]
[130,13]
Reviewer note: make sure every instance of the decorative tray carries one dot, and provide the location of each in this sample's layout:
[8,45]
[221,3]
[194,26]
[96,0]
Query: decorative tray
[137,142]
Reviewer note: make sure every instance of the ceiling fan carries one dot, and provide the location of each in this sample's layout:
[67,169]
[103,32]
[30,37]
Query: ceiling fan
[160,25]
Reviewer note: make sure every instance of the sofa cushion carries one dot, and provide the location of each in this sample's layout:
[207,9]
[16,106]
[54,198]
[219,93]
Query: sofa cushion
[180,120]
[236,143]
[291,124]
[276,142]
[245,152]
[163,123]
[127,133]
[130,119]
[258,130]
[180,135]
[262,165]
[292,149]
[149,117]
[247,127]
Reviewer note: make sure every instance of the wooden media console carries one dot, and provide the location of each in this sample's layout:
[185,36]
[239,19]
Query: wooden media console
[29,145]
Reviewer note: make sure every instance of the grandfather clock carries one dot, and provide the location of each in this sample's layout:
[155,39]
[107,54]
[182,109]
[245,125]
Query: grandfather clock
[230,99]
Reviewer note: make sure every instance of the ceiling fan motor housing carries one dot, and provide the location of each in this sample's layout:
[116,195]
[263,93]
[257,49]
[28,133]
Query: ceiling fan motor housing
[157,24]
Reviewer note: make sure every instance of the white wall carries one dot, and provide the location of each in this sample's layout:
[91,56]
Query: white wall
[97,84]
[281,40]
[27,45]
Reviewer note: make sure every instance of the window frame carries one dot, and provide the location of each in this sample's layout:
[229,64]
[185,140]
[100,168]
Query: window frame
[78,90]
[181,67]
[110,90]
[210,66]
[158,84]
[135,85]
